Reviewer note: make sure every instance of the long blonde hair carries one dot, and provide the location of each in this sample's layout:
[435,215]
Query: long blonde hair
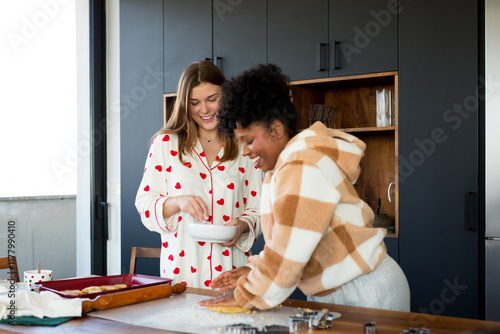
[181,122]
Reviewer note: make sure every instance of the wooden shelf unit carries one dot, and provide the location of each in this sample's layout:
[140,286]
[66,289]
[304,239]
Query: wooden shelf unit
[355,98]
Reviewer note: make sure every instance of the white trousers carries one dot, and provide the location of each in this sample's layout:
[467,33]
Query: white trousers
[385,288]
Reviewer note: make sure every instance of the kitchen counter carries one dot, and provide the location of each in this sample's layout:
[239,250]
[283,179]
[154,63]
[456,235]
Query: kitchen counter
[351,321]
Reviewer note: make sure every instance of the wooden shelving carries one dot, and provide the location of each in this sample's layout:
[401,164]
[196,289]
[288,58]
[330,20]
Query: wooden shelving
[355,98]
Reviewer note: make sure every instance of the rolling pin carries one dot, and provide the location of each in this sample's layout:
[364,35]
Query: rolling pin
[129,297]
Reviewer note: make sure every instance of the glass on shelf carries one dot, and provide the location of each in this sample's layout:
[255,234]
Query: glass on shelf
[385,107]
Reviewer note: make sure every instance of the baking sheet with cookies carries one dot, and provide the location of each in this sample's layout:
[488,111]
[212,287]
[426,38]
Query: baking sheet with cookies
[91,287]
[182,314]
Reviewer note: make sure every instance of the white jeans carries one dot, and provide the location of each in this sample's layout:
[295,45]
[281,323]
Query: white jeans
[385,288]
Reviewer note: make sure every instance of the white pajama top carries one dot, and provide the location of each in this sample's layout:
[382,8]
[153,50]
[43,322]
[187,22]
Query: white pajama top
[230,190]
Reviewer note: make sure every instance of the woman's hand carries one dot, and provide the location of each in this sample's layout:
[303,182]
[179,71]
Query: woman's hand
[227,280]
[193,205]
[242,228]
[226,299]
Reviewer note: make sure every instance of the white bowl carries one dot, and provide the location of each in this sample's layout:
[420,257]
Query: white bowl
[212,233]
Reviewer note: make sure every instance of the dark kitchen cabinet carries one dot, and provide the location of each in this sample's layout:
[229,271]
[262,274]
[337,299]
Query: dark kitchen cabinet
[297,37]
[438,156]
[187,37]
[239,35]
[230,33]
[321,38]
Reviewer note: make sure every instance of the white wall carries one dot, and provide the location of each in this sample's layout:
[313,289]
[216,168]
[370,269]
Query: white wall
[83,256]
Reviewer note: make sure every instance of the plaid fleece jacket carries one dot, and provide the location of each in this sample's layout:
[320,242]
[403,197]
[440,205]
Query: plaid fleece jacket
[318,233]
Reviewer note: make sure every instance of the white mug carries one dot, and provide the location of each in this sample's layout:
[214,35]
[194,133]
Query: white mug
[32,276]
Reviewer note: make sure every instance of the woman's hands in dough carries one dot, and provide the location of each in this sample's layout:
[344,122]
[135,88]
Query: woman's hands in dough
[226,299]
[193,205]
[227,280]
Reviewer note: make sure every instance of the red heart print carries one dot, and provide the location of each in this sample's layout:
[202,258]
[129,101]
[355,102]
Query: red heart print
[165,244]
[244,200]
[166,138]
[150,155]
[146,213]
[247,254]
[169,169]
[176,271]
[207,283]
[203,175]
[237,204]
[218,268]
[202,154]
[181,254]
[184,283]
[225,253]
[221,168]
[226,218]
[254,193]
[177,185]
[158,168]
[193,269]
[188,164]
[241,169]
[210,192]
[217,157]
[221,201]
[171,257]
[146,188]
[210,219]
[201,243]
[209,257]
[234,267]
[179,220]
[173,153]
[230,186]
[246,182]
[175,235]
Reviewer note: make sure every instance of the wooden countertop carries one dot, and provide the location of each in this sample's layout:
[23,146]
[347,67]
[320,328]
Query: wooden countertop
[351,321]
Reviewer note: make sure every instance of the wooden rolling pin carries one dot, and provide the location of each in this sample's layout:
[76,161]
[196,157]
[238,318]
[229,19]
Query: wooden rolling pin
[129,297]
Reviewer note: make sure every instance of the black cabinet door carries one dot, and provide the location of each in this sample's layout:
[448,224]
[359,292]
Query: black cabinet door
[438,156]
[298,37]
[239,35]
[141,102]
[187,33]
[363,36]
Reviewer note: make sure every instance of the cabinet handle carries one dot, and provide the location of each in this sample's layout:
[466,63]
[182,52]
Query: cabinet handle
[470,222]
[217,61]
[319,60]
[105,228]
[335,55]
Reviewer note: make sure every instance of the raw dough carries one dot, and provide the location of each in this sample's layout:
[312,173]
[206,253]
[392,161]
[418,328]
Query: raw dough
[227,309]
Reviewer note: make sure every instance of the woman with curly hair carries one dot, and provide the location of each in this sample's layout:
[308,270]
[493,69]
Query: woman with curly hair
[194,172]
[318,233]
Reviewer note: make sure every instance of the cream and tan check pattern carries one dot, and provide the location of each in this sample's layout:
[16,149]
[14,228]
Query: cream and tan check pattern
[318,232]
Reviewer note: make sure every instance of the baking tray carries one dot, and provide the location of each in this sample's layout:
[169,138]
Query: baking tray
[133,281]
